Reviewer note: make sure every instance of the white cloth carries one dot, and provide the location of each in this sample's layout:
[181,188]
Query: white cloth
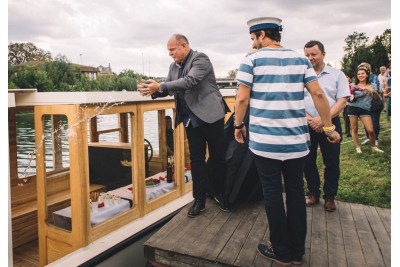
[97,217]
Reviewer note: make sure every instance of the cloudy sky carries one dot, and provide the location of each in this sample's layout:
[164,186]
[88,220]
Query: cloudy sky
[133,34]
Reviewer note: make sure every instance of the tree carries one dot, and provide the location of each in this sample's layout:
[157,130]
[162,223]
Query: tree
[31,77]
[359,49]
[23,52]
[61,73]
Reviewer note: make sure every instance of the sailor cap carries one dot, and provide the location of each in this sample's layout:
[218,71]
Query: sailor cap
[264,23]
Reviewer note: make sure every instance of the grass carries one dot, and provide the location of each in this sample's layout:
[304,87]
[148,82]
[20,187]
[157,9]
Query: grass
[365,178]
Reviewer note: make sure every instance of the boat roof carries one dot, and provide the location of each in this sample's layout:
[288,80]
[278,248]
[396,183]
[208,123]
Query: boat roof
[30,97]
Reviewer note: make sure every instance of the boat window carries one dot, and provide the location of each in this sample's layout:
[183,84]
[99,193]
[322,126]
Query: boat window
[159,155]
[55,141]
[187,164]
[110,166]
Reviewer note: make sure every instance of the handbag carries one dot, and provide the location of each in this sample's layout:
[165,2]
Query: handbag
[376,103]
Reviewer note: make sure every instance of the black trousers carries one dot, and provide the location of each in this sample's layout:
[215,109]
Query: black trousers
[287,229]
[208,176]
[330,155]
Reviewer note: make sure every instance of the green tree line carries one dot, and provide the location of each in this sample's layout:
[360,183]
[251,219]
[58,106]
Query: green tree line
[32,67]
[358,48]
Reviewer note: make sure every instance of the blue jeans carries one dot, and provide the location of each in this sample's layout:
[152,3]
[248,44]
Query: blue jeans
[330,155]
[208,176]
[287,229]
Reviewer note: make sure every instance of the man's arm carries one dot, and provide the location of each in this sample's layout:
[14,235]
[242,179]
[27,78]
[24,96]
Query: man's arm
[322,105]
[316,123]
[241,104]
[200,67]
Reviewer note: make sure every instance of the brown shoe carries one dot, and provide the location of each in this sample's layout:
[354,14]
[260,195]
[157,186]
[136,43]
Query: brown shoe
[330,205]
[311,200]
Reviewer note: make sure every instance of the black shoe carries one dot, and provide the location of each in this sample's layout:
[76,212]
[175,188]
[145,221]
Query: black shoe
[268,252]
[198,206]
[222,203]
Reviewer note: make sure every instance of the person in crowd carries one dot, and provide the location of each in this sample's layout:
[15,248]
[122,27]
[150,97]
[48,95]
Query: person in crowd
[388,93]
[360,105]
[347,128]
[170,136]
[375,110]
[201,108]
[278,132]
[336,88]
[382,77]
[388,73]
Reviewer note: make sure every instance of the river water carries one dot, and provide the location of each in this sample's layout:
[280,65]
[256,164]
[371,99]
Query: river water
[26,149]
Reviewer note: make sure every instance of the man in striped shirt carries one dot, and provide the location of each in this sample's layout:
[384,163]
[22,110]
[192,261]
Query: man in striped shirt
[271,80]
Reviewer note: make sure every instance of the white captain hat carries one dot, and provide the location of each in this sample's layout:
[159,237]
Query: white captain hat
[264,23]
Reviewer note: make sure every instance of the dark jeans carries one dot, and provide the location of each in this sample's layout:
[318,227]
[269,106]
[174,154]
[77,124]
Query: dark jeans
[347,128]
[211,174]
[330,155]
[375,117]
[287,230]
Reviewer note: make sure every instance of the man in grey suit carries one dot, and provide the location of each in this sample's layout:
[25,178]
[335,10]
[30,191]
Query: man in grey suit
[201,108]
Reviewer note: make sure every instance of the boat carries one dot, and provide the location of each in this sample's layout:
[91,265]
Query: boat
[85,205]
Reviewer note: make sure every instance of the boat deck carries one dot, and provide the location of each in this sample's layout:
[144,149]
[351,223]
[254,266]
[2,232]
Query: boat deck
[354,235]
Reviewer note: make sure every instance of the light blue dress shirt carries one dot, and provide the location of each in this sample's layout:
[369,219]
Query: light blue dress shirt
[335,85]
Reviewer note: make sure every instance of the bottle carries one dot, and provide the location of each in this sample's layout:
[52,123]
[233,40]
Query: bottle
[169,170]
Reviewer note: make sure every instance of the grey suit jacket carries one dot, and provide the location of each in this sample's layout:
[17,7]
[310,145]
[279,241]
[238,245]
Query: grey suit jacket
[199,87]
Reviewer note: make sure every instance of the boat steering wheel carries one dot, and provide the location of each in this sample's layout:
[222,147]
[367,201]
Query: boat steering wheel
[150,149]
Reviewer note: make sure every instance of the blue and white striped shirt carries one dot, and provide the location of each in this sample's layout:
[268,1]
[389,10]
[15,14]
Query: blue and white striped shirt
[278,125]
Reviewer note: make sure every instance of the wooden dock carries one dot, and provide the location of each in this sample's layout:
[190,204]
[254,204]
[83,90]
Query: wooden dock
[353,235]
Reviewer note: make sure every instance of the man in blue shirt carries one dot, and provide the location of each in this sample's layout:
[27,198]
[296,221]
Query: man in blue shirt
[336,87]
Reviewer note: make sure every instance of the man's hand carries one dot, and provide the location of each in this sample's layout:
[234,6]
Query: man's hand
[148,87]
[315,124]
[333,137]
[240,134]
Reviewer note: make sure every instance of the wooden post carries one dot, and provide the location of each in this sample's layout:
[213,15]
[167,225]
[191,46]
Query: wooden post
[56,142]
[123,124]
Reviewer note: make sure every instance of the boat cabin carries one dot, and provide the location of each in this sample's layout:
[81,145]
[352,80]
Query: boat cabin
[101,161]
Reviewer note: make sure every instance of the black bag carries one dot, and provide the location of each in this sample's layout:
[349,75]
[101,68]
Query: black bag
[376,103]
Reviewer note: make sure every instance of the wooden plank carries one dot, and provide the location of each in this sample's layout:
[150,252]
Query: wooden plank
[232,248]
[385,215]
[194,232]
[174,235]
[307,245]
[249,250]
[221,238]
[259,260]
[174,223]
[319,246]
[336,253]
[379,231]
[354,254]
[202,239]
[368,243]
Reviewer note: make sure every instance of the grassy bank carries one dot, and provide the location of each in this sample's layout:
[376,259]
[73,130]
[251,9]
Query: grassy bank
[365,178]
